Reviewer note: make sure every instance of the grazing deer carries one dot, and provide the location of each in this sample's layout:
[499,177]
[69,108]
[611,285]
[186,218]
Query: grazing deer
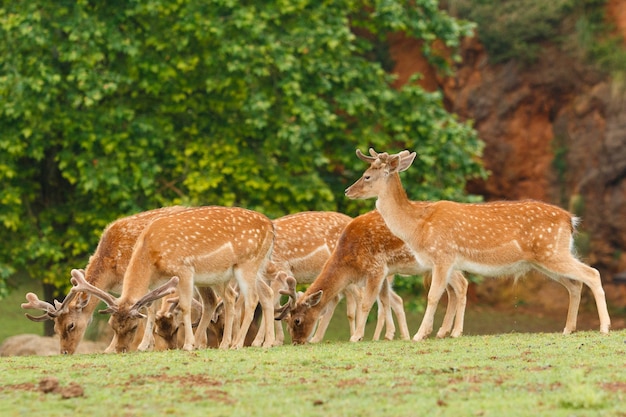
[366,253]
[105,270]
[303,243]
[491,239]
[204,246]
[168,319]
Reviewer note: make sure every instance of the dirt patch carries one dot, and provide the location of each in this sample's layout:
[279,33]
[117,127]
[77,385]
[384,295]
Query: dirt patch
[350,382]
[51,385]
[188,380]
[617,386]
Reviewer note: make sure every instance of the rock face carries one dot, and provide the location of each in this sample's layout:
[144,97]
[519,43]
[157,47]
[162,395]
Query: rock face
[554,131]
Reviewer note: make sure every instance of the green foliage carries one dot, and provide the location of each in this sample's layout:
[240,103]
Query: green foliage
[518,29]
[109,109]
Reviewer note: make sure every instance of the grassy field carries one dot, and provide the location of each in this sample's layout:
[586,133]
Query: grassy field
[514,374]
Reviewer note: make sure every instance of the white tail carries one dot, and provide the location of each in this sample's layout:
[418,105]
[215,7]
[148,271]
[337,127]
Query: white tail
[366,253]
[205,246]
[491,239]
[105,270]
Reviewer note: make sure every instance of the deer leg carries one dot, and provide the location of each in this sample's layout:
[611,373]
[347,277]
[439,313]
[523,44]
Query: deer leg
[353,301]
[382,305]
[246,278]
[437,287]
[209,303]
[576,270]
[265,336]
[574,289]
[457,299]
[372,289]
[324,320]
[459,285]
[185,298]
[380,318]
[391,326]
[229,299]
[147,342]
[111,347]
[397,305]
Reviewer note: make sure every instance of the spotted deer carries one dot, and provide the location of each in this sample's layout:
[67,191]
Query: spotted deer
[366,253]
[303,243]
[105,270]
[490,239]
[204,246]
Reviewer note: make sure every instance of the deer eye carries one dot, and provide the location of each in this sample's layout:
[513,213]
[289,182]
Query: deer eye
[367,177]
[71,327]
[297,322]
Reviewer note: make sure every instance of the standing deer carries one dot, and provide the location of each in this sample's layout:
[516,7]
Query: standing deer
[204,246]
[491,239]
[105,270]
[366,253]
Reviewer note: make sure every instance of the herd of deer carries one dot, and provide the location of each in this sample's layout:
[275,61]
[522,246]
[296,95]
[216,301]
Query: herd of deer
[224,262]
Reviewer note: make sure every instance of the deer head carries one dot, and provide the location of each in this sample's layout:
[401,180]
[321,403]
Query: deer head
[300,321]
[125,316]
[69,322]
[382,166]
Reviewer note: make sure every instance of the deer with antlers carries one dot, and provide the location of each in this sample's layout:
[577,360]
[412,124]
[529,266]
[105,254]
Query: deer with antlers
[366,253]
[105,270]
[304,241]
[491,239]
[204,246]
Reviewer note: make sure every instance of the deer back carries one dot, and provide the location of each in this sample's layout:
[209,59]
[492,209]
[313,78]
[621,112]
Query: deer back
[304,241]
[202,244]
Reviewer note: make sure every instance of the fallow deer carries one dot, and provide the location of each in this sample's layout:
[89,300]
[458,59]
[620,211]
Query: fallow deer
[366,253]
[303,243]
[204,246]
[490,239]
[105,270]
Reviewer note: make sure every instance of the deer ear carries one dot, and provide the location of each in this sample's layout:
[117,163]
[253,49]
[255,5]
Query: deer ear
[405,160]
[314,299]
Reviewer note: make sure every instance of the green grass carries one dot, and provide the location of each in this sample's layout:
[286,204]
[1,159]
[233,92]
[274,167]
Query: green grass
[515,374]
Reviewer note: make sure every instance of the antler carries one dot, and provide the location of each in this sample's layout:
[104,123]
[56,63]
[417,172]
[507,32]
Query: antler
[80,284]
[365,158]
[35,303]
[52,311]
[282,311]
[162,291]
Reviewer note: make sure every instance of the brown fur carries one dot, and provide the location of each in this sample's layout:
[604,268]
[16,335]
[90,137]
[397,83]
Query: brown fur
[491,239]
[366,253]
[204,246]
[105,270]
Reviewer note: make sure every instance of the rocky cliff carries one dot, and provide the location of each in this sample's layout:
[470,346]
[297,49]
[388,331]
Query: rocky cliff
[554,131]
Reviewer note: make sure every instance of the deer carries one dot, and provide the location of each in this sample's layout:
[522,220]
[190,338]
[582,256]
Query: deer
[366,254]
[204,246]
[491,239]
[105,270]
[304,241]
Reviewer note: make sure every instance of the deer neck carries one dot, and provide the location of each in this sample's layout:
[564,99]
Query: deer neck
[395,207]
[331,281]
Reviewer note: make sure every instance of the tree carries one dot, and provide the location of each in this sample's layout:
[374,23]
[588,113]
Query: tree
[109,109]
